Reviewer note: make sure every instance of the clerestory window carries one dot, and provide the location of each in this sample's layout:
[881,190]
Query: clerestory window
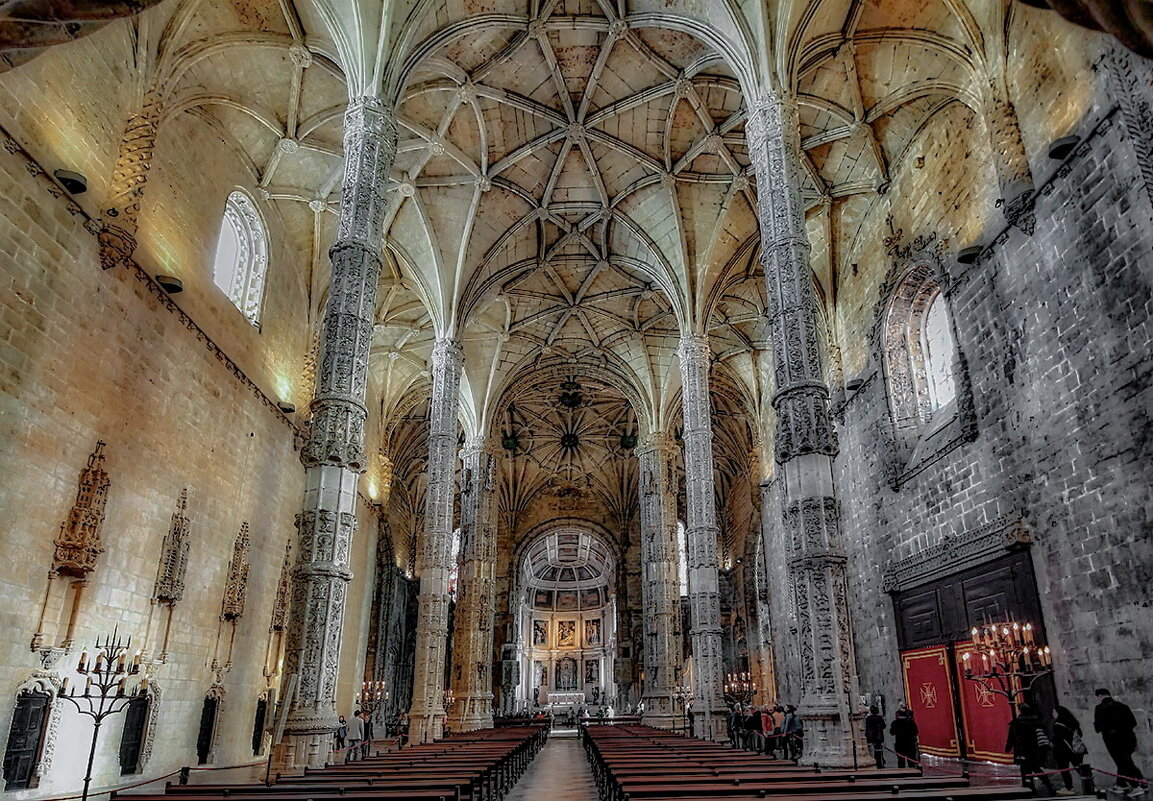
[242,256]
[919,350]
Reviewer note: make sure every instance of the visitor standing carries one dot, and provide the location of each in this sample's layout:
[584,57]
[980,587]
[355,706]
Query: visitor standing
[355,737]
[1068,746]
[875,735]
[793,730]
[904,731]
[341,732]
[1115,723]
[1029,744]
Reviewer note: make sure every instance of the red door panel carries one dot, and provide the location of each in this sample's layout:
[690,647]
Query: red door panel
[929,689]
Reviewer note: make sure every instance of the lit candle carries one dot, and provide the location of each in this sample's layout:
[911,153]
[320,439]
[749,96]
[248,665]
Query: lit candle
[1029,633]
[1048,657]
[975,635]
[965,659]
[64,686]
[83,667]
[88,686]
[99,661]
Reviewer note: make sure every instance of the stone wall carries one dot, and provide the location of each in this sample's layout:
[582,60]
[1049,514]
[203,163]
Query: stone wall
[1053,366]
[183,390]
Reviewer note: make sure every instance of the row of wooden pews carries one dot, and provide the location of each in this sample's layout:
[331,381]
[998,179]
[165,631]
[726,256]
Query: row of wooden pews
[635,763]
[474,766]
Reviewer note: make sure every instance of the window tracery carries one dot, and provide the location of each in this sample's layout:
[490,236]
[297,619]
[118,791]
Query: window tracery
[242,255]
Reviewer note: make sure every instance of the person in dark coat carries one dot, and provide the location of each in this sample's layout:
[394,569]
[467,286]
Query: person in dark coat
[793,730]
[875,735]
[1029,744]
[904,731]
[1068,747]
[1115,723]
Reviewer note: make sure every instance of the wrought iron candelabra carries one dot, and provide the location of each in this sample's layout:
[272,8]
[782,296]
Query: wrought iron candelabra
[373,696]
[1007,660]
[739,688]
[106,689]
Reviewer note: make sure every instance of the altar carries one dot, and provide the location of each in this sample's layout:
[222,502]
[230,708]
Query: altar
[566,699]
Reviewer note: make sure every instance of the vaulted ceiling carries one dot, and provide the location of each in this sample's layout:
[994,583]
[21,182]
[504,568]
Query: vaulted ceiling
[572,190]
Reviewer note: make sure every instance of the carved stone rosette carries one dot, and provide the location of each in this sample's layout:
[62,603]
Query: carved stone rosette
[426,718]
[476,594]
[334,456]
[701,536]
[806,442]
[660,582]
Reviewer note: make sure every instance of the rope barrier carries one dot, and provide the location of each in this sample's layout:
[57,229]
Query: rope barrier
[1142,781]
[923,765]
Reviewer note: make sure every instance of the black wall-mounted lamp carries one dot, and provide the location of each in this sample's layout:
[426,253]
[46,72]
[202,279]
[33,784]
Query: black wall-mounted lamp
[73,182]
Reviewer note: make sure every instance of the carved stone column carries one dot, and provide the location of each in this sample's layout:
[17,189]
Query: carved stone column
[805,443]
[117,236]
[701,537]
[472,643]
[426,718]
[334,455]
[660,582]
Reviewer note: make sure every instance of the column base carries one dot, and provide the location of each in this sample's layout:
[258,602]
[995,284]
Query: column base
[662,720]
[474,713]
[831,742]
[712,727]
[308,741]
[425,727]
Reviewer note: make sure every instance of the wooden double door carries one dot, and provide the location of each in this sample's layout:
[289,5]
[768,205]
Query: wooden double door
[957,717]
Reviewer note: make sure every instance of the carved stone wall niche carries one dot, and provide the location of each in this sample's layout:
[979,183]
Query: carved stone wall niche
[78,547]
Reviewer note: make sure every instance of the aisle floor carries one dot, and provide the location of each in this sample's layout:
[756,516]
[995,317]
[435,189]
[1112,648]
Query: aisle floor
[560,772]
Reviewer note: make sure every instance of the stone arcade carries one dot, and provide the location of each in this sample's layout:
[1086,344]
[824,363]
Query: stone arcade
[570,354]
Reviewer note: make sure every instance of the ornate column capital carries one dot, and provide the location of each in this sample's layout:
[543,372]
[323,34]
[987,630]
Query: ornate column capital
[656,442]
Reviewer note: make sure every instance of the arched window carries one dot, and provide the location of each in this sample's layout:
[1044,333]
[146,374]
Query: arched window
[938,342]
[242,255]
[919,350]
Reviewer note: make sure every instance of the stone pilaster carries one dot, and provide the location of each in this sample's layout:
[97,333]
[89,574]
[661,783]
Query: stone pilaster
[1009,157]
[433,564]
[660,583]
[117,236]
[472,642]
[333,456]
[701,536]
[805,443]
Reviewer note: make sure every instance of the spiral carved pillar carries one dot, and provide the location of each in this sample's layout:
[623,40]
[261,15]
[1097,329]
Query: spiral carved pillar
[701,536]
[805,443]
[472,642]
[334,455]
[434,554]
[660,582]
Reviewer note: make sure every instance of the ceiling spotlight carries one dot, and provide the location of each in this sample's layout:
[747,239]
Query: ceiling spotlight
[73,182]
[170,284]
[286,407]
[969,255]
[1059,149]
